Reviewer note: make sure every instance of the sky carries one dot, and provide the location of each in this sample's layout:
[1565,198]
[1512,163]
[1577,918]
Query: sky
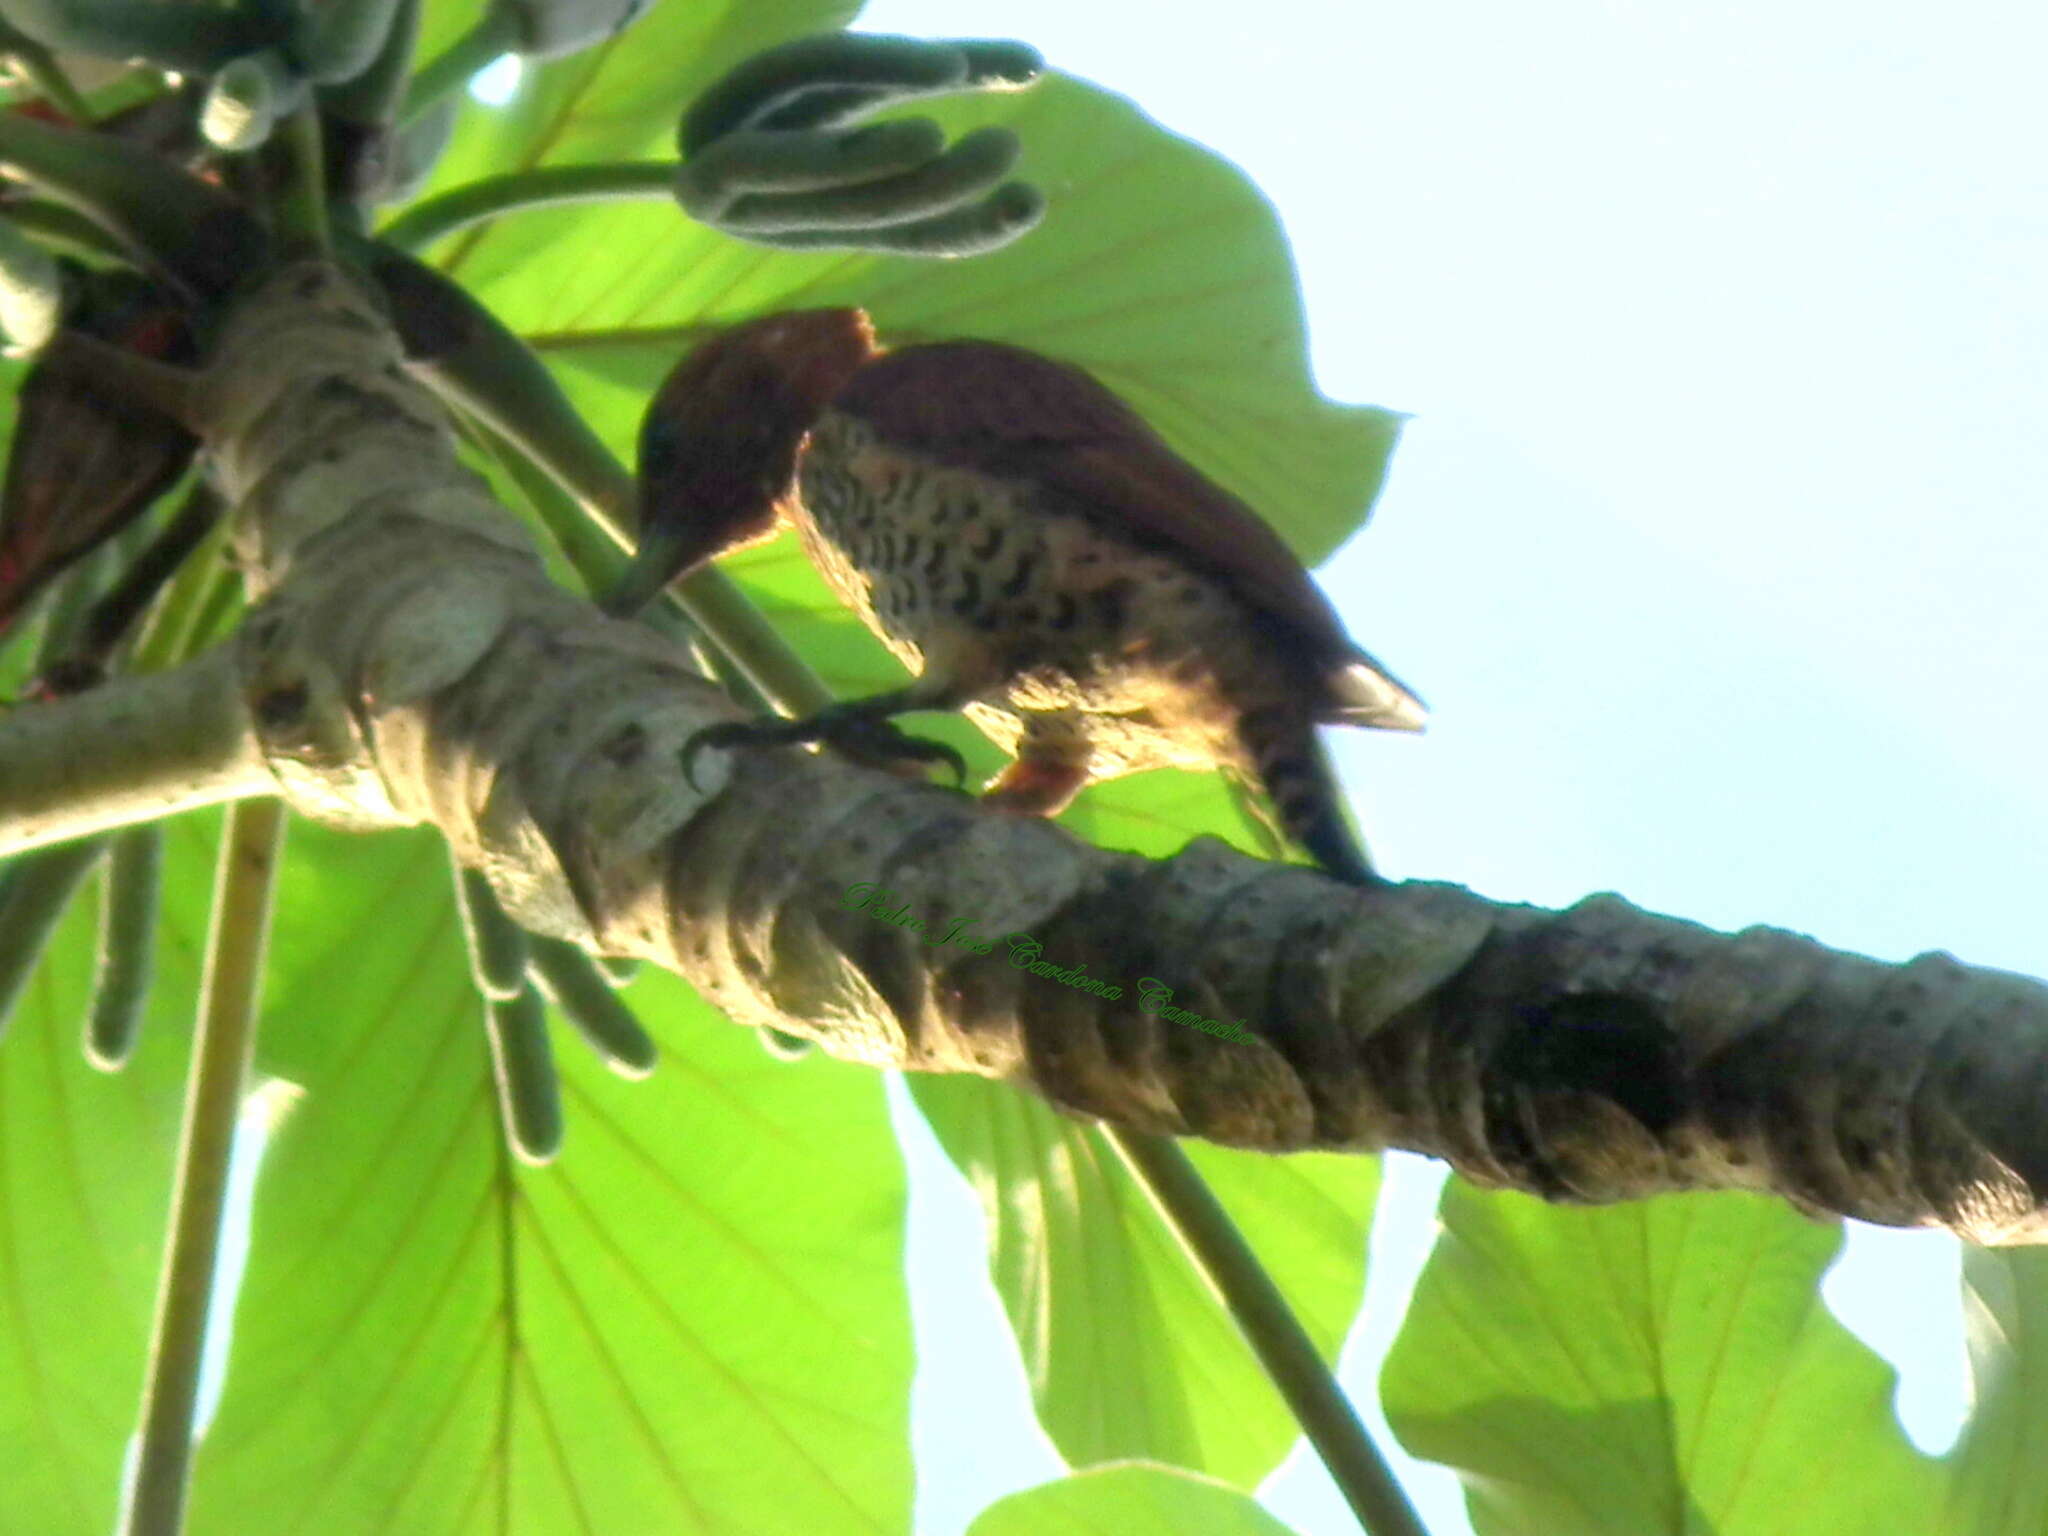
[1715,543]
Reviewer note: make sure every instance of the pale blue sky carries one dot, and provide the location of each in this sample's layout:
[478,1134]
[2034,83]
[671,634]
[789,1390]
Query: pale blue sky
[1716,543]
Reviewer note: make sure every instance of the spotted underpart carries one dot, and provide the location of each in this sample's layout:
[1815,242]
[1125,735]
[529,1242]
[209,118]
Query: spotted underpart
[1068,644]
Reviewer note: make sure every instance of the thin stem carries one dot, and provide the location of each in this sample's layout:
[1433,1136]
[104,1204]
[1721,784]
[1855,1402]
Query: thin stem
[175,621]
[112,621]
[221,1050]
[585,468]
[599,565]
[1275,1334]
[179,222]
[495,377]
[493,36]
[596,560]
[67,229]
[551,186]
[40,68]
[302,210]
[737,627]
[211,621]
[38,889]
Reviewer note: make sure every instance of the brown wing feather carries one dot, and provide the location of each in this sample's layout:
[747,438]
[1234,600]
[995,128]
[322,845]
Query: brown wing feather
[1009,412]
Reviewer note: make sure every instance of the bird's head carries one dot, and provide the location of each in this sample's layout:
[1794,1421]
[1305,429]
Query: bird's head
[719,443]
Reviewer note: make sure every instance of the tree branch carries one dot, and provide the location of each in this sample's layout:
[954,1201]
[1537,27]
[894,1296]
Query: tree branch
[412,663]
[135,749]
[547,186]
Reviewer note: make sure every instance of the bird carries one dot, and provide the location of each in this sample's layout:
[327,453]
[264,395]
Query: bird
[1026,544]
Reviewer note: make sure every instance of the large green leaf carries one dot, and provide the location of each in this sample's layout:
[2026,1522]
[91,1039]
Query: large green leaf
[1661,1366]
[1159,267]
[1129,1500]
[696,1316]
[84,1190]
[1128,1352]
[1996,1487]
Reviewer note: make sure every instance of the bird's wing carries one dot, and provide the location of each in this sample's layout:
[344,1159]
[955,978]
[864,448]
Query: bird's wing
[1005,411]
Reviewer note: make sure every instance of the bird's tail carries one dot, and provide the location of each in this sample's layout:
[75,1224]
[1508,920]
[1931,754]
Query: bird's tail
[1295,772]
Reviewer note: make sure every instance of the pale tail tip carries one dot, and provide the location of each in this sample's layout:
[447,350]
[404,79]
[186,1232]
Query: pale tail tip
[1367,694]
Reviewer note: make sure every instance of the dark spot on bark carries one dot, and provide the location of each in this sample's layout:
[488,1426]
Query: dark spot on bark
[627,747]
[335,389]
[72,675]
[281,707]
[1065,610]
[1606,1044]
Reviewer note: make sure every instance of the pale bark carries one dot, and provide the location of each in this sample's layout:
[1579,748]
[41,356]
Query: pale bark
[137,749]
[411,663]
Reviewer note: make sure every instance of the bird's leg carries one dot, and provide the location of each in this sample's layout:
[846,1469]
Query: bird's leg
[858,727]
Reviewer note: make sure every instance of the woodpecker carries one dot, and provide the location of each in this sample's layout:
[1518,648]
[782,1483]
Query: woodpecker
[1022,541]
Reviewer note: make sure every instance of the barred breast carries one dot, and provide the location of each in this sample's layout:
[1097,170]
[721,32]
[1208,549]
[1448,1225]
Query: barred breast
[1068,632]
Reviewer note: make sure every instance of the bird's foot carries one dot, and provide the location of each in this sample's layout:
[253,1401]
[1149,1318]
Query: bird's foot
[866,738]
[878,743]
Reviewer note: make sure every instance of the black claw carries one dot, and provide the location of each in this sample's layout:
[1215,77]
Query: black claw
[879,744]
[865,738]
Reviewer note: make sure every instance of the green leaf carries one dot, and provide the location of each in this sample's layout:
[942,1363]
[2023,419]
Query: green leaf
[1996,1487]
[695,1314]
[84,1192]
[1128,1351]
[1160,268]
[1661,1366]
[1134,1500]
